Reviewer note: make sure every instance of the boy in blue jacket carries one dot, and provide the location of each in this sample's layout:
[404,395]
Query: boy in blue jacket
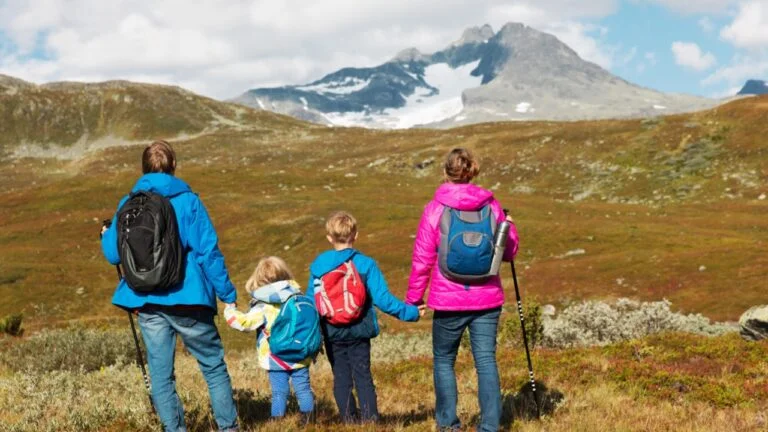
[186,309]
[349,346]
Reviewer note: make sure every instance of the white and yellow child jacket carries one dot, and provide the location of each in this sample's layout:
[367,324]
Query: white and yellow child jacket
[265,306]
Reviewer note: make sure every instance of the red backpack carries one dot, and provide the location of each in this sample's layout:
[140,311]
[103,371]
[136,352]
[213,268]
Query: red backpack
[340,298]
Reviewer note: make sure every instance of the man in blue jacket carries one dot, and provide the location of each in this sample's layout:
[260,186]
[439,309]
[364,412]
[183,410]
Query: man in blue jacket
[186,309]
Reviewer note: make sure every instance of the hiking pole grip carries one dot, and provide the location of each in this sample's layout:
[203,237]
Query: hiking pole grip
[139,356]
[525,337]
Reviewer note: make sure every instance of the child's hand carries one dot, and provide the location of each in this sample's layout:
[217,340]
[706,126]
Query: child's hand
[422,310]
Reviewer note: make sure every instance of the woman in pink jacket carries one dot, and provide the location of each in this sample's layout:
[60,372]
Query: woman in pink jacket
[457,305]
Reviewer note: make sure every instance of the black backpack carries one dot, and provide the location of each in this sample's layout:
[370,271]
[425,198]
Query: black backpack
[148,243]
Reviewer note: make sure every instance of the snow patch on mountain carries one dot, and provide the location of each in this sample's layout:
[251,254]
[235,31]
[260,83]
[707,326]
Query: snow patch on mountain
[425,105]
[349,85]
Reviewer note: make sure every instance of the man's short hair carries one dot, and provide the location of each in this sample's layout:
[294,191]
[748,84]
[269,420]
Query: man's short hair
[158,157]
[342,227]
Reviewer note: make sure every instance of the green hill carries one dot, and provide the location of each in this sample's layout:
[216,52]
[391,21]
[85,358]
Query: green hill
[65,119]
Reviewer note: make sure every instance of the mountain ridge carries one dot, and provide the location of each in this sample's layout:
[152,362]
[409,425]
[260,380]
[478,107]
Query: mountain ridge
[524,74]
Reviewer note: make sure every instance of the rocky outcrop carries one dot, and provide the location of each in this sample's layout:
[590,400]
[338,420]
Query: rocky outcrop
[754,323]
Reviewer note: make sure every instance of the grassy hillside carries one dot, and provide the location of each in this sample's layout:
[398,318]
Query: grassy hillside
[662,208]
[64,119]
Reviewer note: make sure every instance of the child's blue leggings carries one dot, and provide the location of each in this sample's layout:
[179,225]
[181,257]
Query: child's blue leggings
[278,380]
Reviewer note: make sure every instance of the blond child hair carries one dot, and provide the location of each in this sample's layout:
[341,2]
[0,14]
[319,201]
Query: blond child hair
[269,270]
[341,227]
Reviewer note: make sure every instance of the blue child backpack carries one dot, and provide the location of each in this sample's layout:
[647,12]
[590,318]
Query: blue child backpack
[295,334]
[466,245]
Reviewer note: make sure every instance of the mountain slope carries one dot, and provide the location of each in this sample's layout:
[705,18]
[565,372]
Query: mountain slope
[517,73]
[65,119]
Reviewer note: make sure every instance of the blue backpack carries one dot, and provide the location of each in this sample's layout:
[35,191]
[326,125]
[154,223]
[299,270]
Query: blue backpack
[466,245]
[295,334]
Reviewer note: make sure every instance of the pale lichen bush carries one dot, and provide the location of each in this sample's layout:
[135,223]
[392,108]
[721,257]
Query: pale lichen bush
[71,349]
[593,323]
[389,347]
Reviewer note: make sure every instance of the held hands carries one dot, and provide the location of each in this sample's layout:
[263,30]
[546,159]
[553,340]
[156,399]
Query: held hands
[422,310]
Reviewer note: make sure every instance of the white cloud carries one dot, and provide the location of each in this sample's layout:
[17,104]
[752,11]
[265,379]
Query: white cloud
[738,71]
[748,33]
[750,27]
[223,47]
[650,56]
[694,6]
[688,54]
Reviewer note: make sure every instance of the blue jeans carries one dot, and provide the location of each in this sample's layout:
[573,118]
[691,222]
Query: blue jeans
[447,329]
[278,380]
[159,327]
[351,365]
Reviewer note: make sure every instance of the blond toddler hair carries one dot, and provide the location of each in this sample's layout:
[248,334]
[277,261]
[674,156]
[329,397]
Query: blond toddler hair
[269,270]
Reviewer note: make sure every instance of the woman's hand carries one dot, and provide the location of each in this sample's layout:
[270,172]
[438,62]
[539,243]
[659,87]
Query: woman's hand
[422,310]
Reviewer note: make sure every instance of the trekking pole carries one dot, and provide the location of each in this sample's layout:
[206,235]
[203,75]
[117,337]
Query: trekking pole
[139,356]
[504,230]
[525,339]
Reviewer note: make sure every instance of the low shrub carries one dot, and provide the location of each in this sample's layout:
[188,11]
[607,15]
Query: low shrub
[11,325]
[72,349]
[509,325]
[598,323]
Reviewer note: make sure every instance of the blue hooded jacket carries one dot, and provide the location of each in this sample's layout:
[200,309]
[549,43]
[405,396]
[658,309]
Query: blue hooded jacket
[205,276]
[377,295]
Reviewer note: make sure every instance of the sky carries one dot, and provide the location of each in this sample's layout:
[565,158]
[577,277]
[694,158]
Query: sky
[221,48]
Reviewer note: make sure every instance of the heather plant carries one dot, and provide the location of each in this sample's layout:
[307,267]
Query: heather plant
[509,325]
[11,325]
[72,349]
[598,323]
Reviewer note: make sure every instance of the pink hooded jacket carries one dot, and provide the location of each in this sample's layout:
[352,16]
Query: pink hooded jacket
[444,294]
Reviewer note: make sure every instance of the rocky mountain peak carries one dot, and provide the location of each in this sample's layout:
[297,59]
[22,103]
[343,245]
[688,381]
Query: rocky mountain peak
[754,87]
[475,35]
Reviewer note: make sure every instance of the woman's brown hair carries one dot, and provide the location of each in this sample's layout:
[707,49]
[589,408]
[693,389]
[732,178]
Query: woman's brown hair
[461,166]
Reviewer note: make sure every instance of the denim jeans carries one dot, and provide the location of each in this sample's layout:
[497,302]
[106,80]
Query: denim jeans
[278,380]
[447,329]
[159,327]
[351,364]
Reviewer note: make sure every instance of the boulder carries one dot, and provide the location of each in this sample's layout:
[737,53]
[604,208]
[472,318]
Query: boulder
[754,323]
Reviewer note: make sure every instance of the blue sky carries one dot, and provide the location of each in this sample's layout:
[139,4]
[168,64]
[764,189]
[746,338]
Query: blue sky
[221,48]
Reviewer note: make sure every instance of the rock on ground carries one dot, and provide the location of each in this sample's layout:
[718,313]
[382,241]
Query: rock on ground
[754,323]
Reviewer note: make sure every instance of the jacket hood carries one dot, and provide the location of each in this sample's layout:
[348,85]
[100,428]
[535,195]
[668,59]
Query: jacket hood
[161,183]
[276,293]
[330,260]
[463,196]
